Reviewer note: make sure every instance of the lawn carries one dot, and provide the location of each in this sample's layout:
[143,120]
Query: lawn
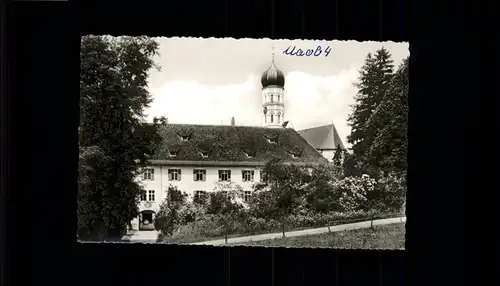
[189,235]
[390,236]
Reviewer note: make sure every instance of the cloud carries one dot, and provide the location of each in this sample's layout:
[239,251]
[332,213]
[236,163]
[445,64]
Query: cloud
[195,103]
[314,101]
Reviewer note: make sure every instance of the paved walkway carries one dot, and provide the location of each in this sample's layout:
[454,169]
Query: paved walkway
[342,227]
[143,236]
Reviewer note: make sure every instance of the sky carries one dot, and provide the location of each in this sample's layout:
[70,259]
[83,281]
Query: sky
[208,81]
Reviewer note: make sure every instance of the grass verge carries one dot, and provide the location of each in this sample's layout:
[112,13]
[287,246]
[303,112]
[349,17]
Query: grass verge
[187,234]
[391,236]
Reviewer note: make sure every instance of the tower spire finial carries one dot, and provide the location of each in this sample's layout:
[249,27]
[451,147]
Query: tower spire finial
[272,53]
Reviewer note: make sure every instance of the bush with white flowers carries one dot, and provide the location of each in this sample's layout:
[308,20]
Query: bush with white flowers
[353,191]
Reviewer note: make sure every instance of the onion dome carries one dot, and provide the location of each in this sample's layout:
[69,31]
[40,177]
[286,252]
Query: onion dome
[273,77]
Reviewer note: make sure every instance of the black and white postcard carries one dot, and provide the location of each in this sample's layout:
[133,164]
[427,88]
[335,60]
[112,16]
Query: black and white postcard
[257,142]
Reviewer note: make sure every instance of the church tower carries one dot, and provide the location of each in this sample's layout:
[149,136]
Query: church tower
[273,101]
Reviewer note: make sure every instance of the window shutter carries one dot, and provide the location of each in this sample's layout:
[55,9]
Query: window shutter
[203,175]
[194,175]
[180,174]
[229,174]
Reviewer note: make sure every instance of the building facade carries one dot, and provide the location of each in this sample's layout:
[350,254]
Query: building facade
[194,158]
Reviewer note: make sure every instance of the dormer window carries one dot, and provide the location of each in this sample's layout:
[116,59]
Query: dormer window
[204,154]
[295,153]
[172,154]
[184,138]
[248,155]
[271,138]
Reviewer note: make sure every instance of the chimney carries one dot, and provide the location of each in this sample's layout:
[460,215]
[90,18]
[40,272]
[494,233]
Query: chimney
[232,121]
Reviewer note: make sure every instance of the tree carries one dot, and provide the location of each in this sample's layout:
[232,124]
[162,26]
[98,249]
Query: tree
[113,96]
[170,217]
[92,171]
[281,191]
[374,81]
[320,196]
[338,156]
[351,166]
[389,149]
[223,205]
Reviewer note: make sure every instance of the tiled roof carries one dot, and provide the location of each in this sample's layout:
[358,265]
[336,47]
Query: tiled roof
[186,142]
[322,137]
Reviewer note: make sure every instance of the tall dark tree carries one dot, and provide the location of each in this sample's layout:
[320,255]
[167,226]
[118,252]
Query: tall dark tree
[338,156]
[114,139]
[374,81]
[389,148]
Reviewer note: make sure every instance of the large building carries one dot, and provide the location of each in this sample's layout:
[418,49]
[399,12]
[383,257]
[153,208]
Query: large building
[324,138]
[194,158]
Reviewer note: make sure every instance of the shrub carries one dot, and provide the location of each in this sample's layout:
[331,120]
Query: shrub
[389,194]
[320,195]
[169,218]
[353,192]
[191,212]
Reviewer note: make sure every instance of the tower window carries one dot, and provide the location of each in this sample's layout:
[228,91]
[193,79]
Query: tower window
[278,98]
[272,118]
[265,118]
[279,118]
[271,98]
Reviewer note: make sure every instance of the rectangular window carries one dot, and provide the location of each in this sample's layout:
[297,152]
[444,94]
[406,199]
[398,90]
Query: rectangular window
[247,196]
[174,174]
[151,195]
[149,174]
[225,175]
[247,175]
[143,196]
[199,175]
[200,196]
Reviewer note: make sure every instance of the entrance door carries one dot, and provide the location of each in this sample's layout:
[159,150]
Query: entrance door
[146,221]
